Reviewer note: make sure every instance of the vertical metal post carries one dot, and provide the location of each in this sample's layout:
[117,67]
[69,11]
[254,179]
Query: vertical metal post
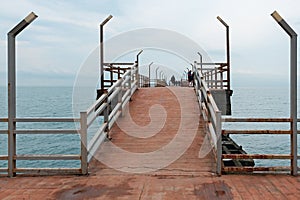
[200,61]
[137,71]
[105,116]
[11,53]
[293,88]
[11,105]
[219,142]
[216,77]
[149,74]
[227,50]
[102,53]
[83,137]
[228,57]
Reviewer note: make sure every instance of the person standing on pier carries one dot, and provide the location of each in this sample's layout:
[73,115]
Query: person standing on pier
[191,78]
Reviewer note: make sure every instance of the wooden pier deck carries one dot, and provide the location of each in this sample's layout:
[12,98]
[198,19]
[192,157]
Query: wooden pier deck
[188,177]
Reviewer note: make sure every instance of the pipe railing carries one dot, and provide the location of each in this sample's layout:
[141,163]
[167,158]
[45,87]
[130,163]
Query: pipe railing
[270,131]
[35,157]
[215,75]
[211,115]
[110,105]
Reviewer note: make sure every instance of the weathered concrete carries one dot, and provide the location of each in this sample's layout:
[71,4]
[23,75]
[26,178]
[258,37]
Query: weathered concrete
[223,100]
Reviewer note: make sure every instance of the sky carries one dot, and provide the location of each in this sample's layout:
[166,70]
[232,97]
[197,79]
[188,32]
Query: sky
[53,48]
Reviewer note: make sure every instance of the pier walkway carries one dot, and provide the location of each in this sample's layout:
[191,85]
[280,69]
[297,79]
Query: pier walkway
[188,177]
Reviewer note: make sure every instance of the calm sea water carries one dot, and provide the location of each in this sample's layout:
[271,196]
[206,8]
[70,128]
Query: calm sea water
[57,102]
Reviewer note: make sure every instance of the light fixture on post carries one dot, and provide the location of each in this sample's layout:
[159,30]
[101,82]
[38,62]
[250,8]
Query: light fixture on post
[99,93]
[11,48]
[200,61]
[293,88]
[137,66]
[227,49]
[149,73]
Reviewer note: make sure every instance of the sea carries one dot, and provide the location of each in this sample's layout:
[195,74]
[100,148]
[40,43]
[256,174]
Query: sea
[268,102]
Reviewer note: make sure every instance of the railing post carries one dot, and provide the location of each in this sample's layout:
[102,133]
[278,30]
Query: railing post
[216,77]
[105,116]
[83,137]
[130,81]
[219,142]
[221,77]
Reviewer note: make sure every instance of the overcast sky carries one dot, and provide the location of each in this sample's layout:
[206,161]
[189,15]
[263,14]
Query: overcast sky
[53,48]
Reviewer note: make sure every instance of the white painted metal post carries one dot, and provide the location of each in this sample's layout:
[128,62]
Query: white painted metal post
[12,90]
[219,142]
[83,137]
[293,89]
[105,116]
[216,77]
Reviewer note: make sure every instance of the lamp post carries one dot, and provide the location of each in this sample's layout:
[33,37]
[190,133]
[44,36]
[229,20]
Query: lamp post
[149,72]
[200,61]
[156,72]
[161,74]
[102,55]
[137,57]
[227,50]
[137,65]
[156,75]
[11,48]
[293,87]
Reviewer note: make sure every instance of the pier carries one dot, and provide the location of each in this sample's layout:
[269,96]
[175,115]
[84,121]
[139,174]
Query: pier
[188,177]
[154,141]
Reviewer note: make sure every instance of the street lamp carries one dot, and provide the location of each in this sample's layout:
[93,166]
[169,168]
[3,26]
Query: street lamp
[102,54]
[160,75]
[200,61]
[11,49]
[137,57]
[293,87]
[156,72]
[149,72]
[227,49]
[137,66]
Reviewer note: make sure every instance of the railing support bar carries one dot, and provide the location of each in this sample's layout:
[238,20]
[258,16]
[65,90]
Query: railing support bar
[83,137]
[219,142]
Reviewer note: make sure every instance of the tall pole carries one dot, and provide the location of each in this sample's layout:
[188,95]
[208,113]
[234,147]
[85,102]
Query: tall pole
[227,50]
[200,61]
[137,66]
[293,88]
[102,53]
[149,73]
[12,89]
[156,72]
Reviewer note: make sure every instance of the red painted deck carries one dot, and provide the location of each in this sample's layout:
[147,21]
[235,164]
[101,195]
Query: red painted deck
[175,135]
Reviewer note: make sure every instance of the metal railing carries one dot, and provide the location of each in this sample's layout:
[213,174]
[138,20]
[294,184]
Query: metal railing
[258,121]
[213,123]
[215,75]
[13,158]
[145,82]
[211,115]
[110,105]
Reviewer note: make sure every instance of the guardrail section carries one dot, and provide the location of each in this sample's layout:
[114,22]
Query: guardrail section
[109,106]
